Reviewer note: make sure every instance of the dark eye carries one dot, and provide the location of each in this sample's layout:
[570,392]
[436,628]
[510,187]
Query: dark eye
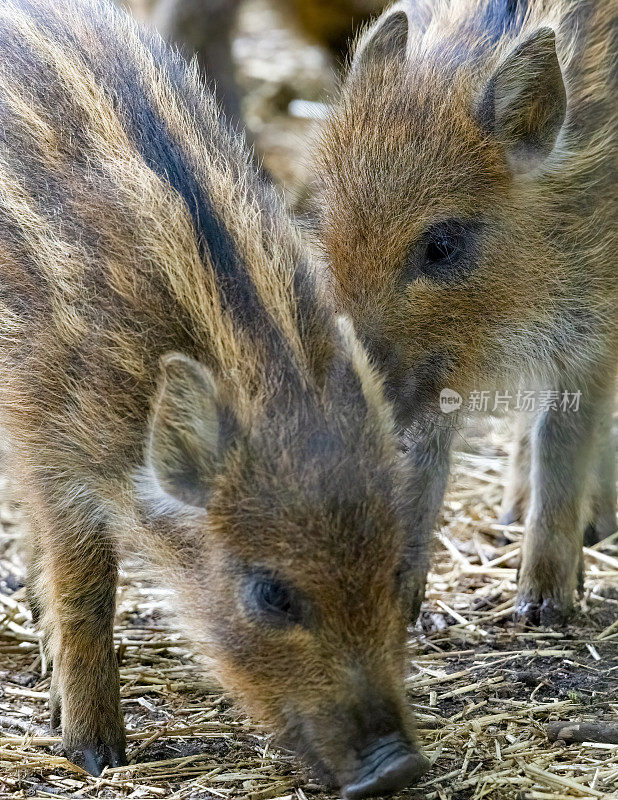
[272,599]
[444,245]
[445,252]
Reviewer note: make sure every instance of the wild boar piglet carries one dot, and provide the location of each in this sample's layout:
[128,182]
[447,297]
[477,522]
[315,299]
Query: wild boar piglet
[174,384]
[467,188]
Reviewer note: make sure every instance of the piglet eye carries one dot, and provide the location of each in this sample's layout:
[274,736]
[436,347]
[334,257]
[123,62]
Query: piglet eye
[274,602]
[442,247]
[273,596]
[446,252]
[445,243]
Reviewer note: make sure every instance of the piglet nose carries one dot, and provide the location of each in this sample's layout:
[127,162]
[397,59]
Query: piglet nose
[389,764]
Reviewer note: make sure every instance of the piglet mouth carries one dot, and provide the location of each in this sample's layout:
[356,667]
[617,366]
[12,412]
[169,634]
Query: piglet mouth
[387,765]
[294,740]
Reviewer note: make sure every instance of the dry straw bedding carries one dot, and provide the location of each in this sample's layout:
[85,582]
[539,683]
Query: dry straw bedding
[483,689]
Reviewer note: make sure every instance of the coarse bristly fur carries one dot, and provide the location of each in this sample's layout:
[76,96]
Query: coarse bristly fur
[467,185]
[174,384]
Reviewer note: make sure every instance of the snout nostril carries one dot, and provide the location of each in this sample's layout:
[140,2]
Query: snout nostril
[389,765]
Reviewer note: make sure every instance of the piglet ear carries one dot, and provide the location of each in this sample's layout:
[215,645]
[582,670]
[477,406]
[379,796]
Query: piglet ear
[188,433]
[524,103]
[386,40]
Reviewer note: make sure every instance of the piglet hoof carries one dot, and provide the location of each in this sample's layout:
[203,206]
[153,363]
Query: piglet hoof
[94,758]
[547,613]
[509,517]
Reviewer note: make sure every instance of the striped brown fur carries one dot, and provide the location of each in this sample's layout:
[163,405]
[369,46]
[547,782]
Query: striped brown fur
[175,384]
[488,129]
